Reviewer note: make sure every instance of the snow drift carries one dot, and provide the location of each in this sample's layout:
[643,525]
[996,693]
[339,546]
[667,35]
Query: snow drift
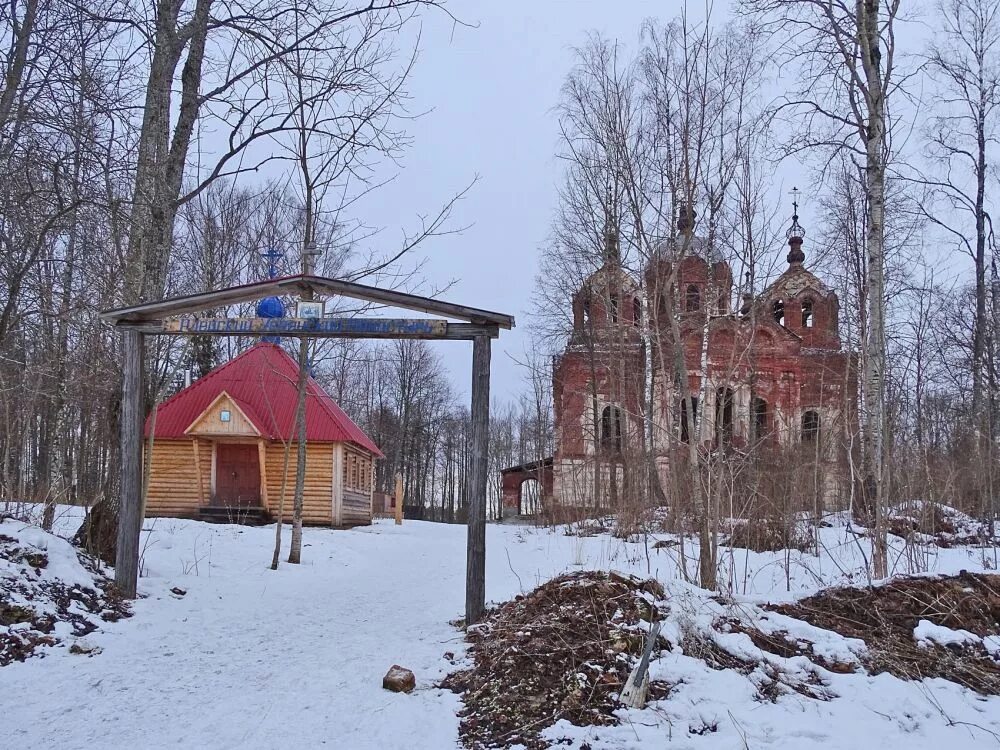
[50,594]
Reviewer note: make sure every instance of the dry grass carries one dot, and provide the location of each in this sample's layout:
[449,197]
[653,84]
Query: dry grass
[767,535]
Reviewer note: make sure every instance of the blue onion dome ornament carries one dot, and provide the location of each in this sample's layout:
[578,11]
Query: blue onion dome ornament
[270,307]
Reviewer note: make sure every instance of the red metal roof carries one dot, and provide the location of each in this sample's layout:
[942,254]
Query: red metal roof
[262,381]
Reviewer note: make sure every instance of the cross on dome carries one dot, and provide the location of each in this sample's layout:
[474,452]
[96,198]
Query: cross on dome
[795,232]
[272,256]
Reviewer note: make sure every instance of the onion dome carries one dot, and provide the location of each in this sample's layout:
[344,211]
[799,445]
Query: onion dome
[685,218]
[270,307]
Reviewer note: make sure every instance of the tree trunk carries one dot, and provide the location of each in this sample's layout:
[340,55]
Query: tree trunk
[979,411]
[703,498]
[295,553]
[279,522]
[23,33]
[875,343]
[159,171]
[130,510]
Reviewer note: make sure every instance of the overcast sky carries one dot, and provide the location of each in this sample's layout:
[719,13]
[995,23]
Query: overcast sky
[489,93]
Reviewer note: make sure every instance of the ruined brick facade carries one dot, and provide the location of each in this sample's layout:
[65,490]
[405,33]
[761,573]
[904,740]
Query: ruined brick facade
[777,375]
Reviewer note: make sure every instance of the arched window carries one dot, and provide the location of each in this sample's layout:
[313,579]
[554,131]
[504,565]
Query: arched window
[586,311]
[759,420]
[810,426]
[686,429]
[693,298]
[807,313]
[637,311]
[723,417]
[611,428]
[779,311]
[613,307]
[529,497]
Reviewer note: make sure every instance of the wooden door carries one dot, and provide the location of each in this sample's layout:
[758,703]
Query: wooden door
[237,475]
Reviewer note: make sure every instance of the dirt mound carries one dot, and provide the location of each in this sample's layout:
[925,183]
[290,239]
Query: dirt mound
[40,608]
[937,524]
[563,651]
[886,618]
[767,535]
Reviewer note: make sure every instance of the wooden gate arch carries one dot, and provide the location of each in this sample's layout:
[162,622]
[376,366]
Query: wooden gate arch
[179,316]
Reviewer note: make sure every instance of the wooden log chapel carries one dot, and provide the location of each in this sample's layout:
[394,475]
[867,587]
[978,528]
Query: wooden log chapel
[223,449]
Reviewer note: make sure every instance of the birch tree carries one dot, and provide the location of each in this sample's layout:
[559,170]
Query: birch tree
[847,68]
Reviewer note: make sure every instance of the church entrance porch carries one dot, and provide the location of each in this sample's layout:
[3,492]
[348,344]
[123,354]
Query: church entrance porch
[525,487]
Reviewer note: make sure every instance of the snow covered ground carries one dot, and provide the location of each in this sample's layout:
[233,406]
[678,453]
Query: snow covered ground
[253,658]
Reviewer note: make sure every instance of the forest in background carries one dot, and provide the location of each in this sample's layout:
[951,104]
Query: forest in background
[134,140]
[164,149]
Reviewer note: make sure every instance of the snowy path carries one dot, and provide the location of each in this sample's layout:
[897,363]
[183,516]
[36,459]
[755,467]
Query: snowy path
[254,658]
[251,658]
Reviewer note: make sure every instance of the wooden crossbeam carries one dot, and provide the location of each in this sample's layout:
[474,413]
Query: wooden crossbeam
[344,328]
[302,284]
[312,326]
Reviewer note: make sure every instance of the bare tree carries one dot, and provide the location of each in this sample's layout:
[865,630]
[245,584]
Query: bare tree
[254,43]
[225,60]
[848,74]
[963,63]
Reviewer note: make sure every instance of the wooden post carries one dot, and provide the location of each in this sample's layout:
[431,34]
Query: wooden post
[197,470]
[262,460]
[475,571]
[399,499]
[130,504]
[338,485]
[371,488]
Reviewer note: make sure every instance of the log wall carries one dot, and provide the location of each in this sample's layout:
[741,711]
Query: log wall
[174,492]
[173,480]
[356,504]
[317,505]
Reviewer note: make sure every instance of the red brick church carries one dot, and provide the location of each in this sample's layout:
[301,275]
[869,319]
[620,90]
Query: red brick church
[778,378]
